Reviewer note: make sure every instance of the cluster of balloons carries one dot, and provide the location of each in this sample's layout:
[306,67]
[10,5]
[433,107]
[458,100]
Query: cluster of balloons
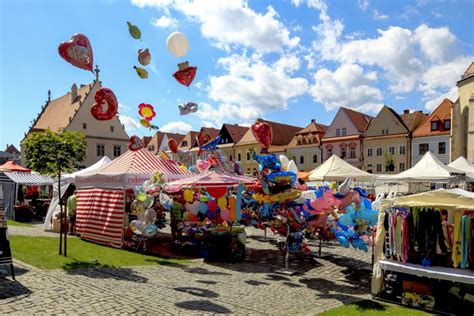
[146,198]
[144,56]
[147,113]
[178,45]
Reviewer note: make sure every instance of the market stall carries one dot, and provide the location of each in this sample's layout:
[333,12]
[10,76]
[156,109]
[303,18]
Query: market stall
[211,213]
[336,169]
[36,186]
[66,181]
[423,251]
[101,196]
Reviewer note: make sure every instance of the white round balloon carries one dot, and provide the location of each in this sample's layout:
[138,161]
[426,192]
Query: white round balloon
[177,44]
[284,161]
[292,167]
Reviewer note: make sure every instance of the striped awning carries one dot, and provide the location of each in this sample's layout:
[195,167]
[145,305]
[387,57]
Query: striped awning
[141,162]
[28,178]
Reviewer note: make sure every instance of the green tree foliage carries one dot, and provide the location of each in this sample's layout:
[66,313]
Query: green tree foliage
[46,152]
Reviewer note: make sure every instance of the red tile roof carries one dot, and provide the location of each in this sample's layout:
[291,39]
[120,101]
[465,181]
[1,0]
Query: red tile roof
[360,120]
[424,129]
[236,132]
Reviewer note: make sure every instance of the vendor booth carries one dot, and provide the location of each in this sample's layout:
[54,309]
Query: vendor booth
[66,181]
[423,251]
[10,183]
[336,169]
[211,214]
[101,195]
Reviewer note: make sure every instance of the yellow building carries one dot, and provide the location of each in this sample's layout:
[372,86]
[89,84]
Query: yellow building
[282,136]
[462,131]
[72,112]
[386,146]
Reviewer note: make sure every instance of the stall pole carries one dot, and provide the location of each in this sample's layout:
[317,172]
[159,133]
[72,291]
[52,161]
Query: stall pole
[61,214]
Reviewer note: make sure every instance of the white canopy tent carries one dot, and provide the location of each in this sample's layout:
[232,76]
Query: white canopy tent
[336,169]
[428,170]
[66,180]
[462,164]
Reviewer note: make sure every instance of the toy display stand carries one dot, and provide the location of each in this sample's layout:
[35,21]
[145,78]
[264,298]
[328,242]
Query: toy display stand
[5,251]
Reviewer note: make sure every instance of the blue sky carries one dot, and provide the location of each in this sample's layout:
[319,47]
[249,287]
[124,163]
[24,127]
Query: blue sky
[287,61]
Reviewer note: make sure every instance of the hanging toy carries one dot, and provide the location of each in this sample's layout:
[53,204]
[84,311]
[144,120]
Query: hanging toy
[262,132]
[146,111]
[104,99]
[189,107]
[144,57]
[134,31]
[142,73]
[77,51]
[135,143]
[185,75]
[173,145]
[177,44]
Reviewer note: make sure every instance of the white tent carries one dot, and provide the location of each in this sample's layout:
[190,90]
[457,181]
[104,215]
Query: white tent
[336,169]
[66,180]
[462,164]
[428,169]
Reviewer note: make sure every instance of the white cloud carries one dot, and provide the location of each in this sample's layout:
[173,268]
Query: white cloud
[165,22]
[210,124]
[130,123]
[176,127]
[379,16]
[232,23]
[452,95]
[347,86]
[363,4]
[252,84]
[227,113]
[123,107]
[437,44]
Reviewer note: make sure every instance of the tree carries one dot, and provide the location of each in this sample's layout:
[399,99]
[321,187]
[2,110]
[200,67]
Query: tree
[389,163]
[53,153]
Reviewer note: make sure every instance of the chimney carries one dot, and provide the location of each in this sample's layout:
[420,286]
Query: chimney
[73,93]
[406,111]
[313,121]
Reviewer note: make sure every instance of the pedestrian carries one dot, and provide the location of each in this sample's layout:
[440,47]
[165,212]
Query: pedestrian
[71,212]
[175,214]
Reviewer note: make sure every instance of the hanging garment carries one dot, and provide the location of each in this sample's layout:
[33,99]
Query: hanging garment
[398,236]
[405,238]
[415,212]
[441,248]
[456,255]
[386,226]
[465,228]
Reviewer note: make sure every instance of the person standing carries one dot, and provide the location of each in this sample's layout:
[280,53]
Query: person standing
[71,212]
[175,214]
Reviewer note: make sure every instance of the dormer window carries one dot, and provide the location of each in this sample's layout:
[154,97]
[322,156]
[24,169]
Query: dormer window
[434,125]
[344,131]
[447,125]
[338,132]
[184,143]
[299,142]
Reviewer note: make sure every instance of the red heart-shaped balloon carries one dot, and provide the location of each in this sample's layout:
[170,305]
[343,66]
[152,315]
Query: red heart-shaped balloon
[135,143]
[77,51]
[262,132]
[105,106]
[185,76]
[173,145]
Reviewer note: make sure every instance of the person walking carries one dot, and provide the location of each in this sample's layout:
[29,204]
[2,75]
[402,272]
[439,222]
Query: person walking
[71,212]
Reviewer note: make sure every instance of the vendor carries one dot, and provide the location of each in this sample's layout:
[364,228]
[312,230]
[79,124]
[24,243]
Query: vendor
[71,212]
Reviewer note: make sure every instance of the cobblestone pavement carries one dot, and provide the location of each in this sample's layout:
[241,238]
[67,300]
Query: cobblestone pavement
[36,229]
[254,286]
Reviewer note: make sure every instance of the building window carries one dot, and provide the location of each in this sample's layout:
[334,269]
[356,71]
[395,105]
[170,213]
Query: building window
[343,153]
[447,125]
[352,152]
[299,142]
[434,126]
[379,151]
[315,158]
[230,158]
[338,132]
[118,150]
[239,156]
[403,150]
[402,166]
[310,141]
[84,125]
[344,131]
[329,152]
[442,148]
[391,150]
[379,167]
[301,159]
[184,143]
[112,129]
[248,156]
[369,152]
[100,150]
[423,148]
[150,147]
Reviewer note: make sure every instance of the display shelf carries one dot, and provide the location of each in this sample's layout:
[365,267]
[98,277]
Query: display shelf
[465,276]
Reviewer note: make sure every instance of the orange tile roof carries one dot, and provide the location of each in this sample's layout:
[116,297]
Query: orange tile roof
[236,132]
[360,120]
[314,129]
[190,139]
[282,134]
[59,112]
[413,120]
[424,129]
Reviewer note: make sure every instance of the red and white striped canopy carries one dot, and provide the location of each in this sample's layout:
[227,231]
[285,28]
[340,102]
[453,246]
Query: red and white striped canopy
[211,179]
[131,169]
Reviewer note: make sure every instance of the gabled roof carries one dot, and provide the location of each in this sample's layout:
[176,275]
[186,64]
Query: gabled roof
[469,71]
[379,116]
[313,127]
[146,140]
[413,120]
[360,120]
[176,136]
[58,113]
[235,131]
[282,134]
[211,131]
[157,139]
[314,130]
[11,149]
[424,129]
[189,138]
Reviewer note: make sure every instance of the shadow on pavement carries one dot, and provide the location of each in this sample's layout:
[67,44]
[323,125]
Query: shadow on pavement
[10,288]
[5,270]
[207,282]
[197,291]
[203,306]
[96,270]
[325,286]
[256,283]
